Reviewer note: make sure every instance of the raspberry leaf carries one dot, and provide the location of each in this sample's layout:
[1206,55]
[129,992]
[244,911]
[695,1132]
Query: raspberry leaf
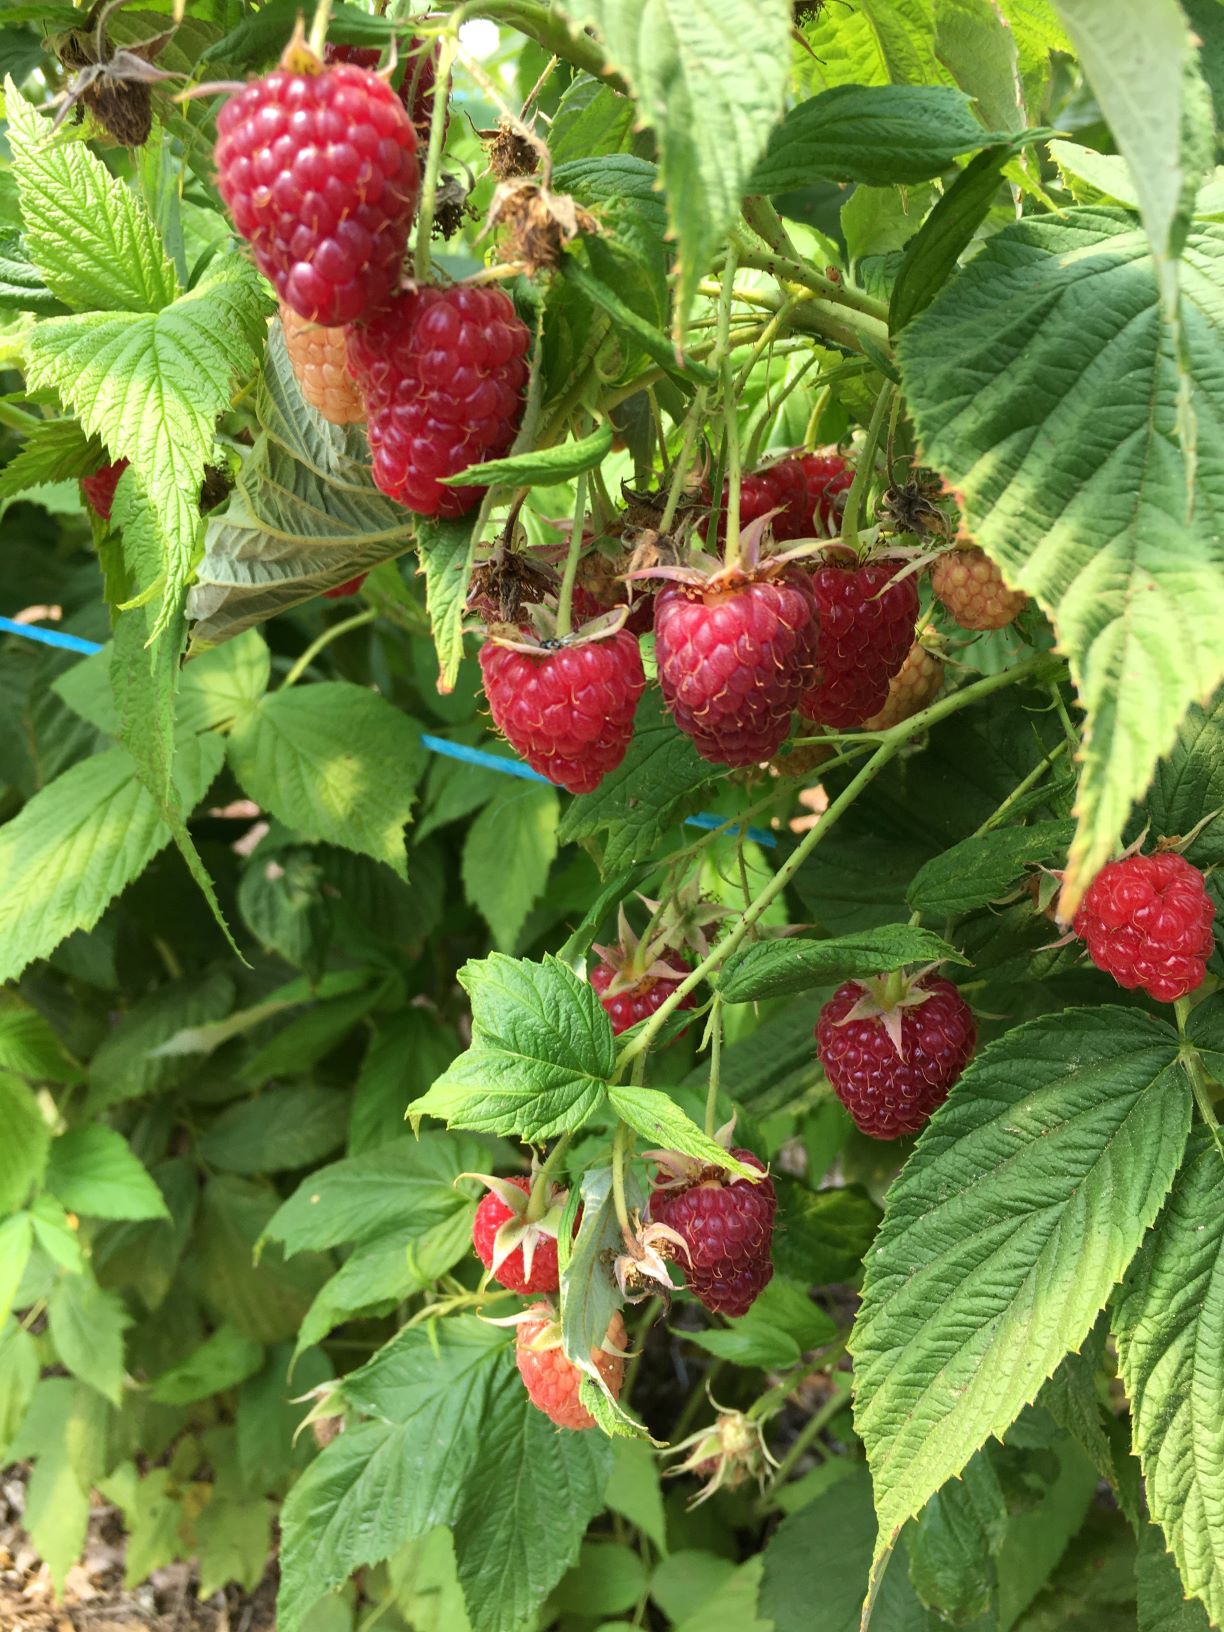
[93,1170]
[540,1057]
[1164,1323]
[542,467]
[589,1297]
[522,823]
[1024,1202]
[777,968]
[880,134]
[711,126]
[82,839]
[656,1117]
[304,516]
[983,867]
[1057,528]
[316,756]
[86,232]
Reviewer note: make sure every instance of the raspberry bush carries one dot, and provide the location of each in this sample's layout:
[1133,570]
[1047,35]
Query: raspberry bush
[610,803]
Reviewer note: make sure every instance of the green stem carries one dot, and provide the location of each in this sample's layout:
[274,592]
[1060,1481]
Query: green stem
[1022,787]
[325,639]
[711,1109]
[786,270]
[433,161]
[537,1203]
[811,1430]
[684,458]
[16,419]
[1193,1063]
[890,743]
[765,221]
[620,1151]
[565,595]
[865,469]
[319,24]
[700,1391]
[551,31]
[731,547]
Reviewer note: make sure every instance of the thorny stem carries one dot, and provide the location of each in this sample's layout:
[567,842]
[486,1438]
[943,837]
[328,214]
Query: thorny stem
[865,469]
[433,161]
[1193,1062]
[565,595]
[890,744]
[537,1203]
[325,639]
[731,548]
[715,1029]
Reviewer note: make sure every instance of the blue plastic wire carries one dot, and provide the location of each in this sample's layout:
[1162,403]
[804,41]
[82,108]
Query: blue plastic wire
[436,745]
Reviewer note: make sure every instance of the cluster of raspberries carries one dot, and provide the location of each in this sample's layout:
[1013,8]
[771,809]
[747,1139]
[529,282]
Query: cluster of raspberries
[720,1227]
[318,165]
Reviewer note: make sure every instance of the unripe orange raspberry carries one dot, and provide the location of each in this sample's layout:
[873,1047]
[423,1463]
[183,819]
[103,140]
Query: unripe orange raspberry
[972,588]
[317,355]
[916,684]
[552,1381]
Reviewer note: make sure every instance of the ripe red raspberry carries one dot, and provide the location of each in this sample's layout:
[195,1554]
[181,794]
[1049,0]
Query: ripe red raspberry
[350,586]
[416,83]
[320,174]
[781,484]
[892,1063]
[866,630]
[1148,923]
[319,361]
[567,709]
[442,372]
[827,476]
[727,1224]
[99,489]
[638,1002]
[914,687]
[972,588]
[735,654]
[551,1380]
[512,1272]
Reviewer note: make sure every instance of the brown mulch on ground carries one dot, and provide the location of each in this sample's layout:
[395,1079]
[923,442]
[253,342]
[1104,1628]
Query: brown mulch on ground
[95,1599]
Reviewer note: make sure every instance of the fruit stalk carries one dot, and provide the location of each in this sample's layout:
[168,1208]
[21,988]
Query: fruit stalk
[1043,665]
[1193,1065]
[433,159]
[731,549]
[865,469]
[786,270]
[715,1029]
[537,1204]
[325,639]
[565,595]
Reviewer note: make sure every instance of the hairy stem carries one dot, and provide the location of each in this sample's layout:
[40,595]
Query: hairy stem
[715,1025]
[621,1142]
[865,469]
[731,548]
[565,595]
[1193,1062]
[537,1203]
[433,160]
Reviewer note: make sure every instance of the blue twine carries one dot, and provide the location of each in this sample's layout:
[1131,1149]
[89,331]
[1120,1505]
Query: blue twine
[436,745]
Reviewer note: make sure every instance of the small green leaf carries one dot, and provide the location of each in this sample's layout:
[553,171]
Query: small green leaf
[777,968]
[520,821]
[16,1240]
[82,839]
[318,758]
[221,1362]
[26,1141]
[277,1131]
[657,1117]
[55,451]
[1162,1603]
[29,1048]
[952,1545]
[87,1327]
[543,467]
[984,867]
[878,134]
[540,1056]
[86,231]
[92,1170]
[823,1236]
[1029,1193]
